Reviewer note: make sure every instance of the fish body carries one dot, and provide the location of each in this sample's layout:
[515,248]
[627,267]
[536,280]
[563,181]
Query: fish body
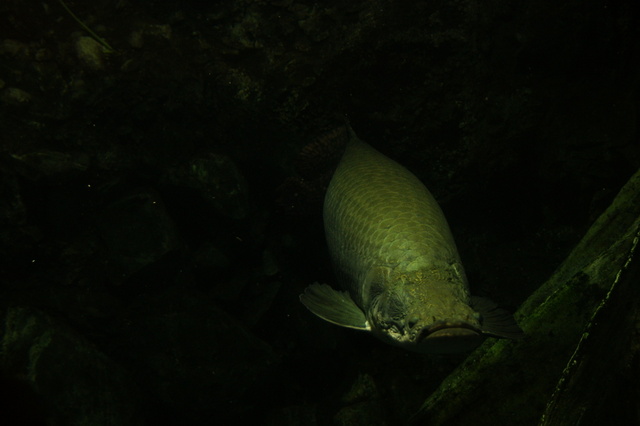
[397,261]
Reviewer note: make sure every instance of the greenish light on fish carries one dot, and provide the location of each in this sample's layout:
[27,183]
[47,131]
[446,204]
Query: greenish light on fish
[395,256]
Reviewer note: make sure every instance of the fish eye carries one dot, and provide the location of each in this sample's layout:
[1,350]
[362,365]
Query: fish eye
[393,324]
[412,322]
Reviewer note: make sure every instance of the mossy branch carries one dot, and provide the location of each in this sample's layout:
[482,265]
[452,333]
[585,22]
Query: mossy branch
[103,42]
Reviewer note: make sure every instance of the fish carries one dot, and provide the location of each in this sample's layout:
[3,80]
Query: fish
[397,263]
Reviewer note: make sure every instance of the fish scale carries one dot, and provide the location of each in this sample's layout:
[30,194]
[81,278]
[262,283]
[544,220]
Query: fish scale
[377,212]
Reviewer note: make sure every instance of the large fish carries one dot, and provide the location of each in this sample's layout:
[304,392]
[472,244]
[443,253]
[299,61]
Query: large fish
[396,258]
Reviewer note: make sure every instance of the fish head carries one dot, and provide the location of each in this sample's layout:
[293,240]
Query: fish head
[434,319]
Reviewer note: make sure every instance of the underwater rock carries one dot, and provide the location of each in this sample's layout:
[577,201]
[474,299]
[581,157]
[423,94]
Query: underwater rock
[196,359]
[52,165]
[90,53]
[364,404]
[303,194]
[293,416]
[148,32]
[17,236]
[217,180]
[76,382]
[136,231]
[521,380]
[257,298]
[14,48]
[15,96]
[20,402]
[363,388]
[369,413]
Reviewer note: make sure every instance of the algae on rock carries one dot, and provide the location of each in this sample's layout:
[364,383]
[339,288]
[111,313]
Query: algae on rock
[569,324]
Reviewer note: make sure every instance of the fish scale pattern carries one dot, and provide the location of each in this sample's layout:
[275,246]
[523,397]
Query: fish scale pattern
[378,214]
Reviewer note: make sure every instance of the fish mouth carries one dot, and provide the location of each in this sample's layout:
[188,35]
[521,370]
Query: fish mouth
[442,328]
[450,337]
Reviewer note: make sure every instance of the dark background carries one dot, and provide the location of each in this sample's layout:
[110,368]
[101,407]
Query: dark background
[160,212]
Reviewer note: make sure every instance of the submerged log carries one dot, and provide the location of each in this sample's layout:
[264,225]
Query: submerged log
[581,352]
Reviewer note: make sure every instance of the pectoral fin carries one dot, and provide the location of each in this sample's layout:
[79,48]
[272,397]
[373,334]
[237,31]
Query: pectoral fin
[496,321]
[334,306]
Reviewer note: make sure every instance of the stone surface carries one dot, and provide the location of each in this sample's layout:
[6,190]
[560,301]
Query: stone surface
[75,381]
